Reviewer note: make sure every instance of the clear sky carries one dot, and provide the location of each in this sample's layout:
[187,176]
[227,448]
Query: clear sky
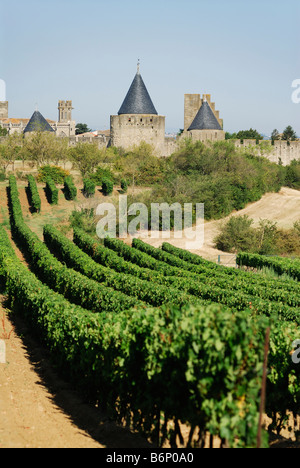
[246,54]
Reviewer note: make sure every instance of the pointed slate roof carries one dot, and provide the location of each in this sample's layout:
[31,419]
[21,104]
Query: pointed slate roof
[38,123]
[205,119]
[137,100]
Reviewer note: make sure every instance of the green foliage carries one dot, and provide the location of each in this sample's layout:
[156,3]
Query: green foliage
[56,173]
[44,148]
[70,189]
[76,287]
[197,364]
[278,264]
[107,186]
[245,135]
[124,185]
[74,257]
[209,284]
[237,234]
[83,219]
[3,131]
[141,166]
[289,134]
[220,175]
[33,194]
[85,157]
[123,359]
[89,188]
[51,191]
[100,174]
[81,128]
[293,175]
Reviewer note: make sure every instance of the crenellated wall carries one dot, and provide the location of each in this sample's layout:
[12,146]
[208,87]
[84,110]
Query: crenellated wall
[280,152]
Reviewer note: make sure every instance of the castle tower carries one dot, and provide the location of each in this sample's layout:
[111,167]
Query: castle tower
[201,120]
[65,127]
[3,109]
[138,120]
[64,111]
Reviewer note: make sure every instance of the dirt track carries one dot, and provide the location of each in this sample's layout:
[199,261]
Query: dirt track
[282,208]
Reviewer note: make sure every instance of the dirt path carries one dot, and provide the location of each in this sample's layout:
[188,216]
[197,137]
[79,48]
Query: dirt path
[282,207]
[38,409]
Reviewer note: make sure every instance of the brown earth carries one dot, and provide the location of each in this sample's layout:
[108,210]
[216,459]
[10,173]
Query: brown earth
[38,409]
[282,207]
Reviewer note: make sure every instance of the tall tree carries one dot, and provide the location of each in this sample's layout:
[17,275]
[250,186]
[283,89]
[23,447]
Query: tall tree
[81,128]
[289,134]
[85,157]
[275,135]
[10,150]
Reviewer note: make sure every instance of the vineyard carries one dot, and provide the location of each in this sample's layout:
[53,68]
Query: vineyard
[159,337]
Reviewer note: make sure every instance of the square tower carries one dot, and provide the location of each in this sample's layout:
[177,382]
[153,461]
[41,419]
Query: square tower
[65,111]
[3,109]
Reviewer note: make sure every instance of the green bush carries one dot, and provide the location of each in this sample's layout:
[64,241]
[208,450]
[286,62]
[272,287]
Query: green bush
[107,187]
[280,265]
[147,291]
[76,287]
[100,174]
[89,188]
[69,189]
[51,191]
[124,185]
[56,173]
[33,194]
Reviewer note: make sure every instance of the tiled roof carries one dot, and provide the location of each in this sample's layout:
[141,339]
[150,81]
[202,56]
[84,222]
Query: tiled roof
[137,100]
[38,123]
[205,119]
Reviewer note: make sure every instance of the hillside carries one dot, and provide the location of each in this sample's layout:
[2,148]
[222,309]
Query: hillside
[27,378]
[282,207]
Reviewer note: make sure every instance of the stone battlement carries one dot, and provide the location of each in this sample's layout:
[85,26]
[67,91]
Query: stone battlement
[280,151]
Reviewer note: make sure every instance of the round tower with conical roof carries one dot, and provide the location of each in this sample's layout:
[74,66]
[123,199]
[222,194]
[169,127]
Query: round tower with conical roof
[138,120]
[201,120]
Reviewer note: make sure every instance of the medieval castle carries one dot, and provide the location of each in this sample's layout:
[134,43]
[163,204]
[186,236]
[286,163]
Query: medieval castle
[138,121]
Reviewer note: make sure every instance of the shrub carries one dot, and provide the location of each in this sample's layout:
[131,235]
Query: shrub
[89,188]
[33,194]
[56,173]
[107,186]
[100,174]
[51,191]
[70,189]
[124,185]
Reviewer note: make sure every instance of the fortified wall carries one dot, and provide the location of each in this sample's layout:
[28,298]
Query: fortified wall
[281,151]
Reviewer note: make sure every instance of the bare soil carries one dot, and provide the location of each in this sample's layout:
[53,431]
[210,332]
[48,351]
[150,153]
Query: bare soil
[38,409]
[282,207]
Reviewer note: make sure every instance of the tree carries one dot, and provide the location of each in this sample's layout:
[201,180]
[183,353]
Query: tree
[249,135]
[244,135]
[45,148]
[10,150]
[81,128]
[237,234]
[85,157]
[289,134]
[3,131]
[275,135]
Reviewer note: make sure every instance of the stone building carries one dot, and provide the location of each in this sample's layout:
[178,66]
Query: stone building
[64,127]
[3,109]
[138,120]
[201,120]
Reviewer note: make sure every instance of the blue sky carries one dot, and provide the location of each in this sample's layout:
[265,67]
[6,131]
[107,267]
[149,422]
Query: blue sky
[245,54]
